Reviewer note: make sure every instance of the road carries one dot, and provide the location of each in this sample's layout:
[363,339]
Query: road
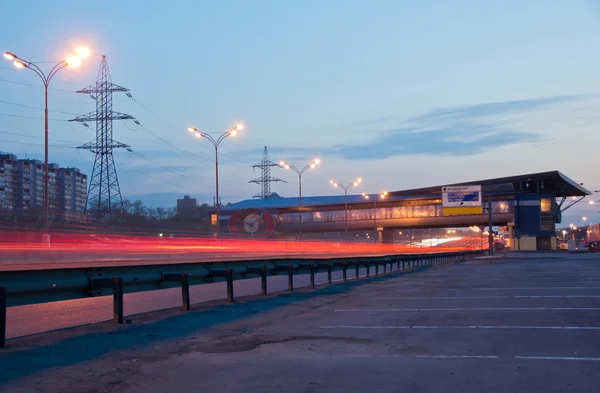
[506,326]
[75,251]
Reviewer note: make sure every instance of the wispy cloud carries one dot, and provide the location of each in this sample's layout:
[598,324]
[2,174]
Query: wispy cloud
[454,131]
[459,139]
[494,109]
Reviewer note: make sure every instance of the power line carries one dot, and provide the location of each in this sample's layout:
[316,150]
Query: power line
[36,86]
[37,144]
[35,107]
[31,74]
[29,117]
[176,130]
[197,158]
[149,175]
[34,137]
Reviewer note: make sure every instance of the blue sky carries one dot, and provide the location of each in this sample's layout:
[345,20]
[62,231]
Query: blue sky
[402,93]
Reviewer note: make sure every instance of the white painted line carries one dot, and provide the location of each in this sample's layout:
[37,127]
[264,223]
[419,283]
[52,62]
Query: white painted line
[458,356]
[530,288]
[471,309]
[557,358]
[464,327]
[488,297]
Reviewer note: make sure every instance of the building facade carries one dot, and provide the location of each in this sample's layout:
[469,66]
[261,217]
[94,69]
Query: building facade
[22,189]
[186,207]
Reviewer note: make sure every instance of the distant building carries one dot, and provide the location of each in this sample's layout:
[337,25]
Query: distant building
[72,190]
[187,206]
[22,189]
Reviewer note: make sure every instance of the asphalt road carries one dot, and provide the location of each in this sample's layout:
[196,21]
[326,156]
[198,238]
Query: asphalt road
[506,326]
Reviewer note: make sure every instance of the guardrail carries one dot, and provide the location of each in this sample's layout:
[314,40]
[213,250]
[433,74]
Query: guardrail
[41,286]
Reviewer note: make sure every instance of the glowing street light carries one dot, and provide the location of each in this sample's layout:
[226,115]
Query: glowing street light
[300,172]
[337,184]
[81,53]
[216,142]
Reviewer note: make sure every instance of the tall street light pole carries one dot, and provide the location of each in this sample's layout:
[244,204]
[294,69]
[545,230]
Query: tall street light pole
[337,184]
[216,143]
[74,61]
[287,165]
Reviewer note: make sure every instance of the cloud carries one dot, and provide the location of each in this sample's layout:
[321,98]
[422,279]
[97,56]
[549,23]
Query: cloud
[460,139]
[453,131]
[494,109]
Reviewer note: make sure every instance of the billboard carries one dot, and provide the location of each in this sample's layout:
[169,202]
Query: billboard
[251,223]
[460,200]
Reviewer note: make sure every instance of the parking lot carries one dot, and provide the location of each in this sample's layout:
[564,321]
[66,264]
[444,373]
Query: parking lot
[526,325]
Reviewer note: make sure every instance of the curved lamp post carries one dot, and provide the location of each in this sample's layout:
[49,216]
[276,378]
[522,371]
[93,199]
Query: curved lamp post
[337,184]
[216,142]
[74,61]
[287,165]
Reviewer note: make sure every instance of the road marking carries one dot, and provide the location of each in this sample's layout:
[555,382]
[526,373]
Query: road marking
[530,288]
[472,309]
[488,297]
[464,327]
[459,356]
[557,358]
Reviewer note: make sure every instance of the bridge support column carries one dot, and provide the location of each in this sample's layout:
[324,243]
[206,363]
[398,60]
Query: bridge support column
[386,236]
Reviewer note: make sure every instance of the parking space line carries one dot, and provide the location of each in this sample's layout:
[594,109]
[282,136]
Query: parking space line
[488,297]
[530,288]
[557,358]
[459,356]
[471,309]
[407,327]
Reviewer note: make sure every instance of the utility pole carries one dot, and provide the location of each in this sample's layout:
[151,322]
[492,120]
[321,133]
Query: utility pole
[490,230]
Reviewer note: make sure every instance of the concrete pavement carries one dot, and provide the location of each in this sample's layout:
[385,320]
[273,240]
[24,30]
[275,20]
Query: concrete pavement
[480,326]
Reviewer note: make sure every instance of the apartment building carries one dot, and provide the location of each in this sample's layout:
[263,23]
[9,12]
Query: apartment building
[22,189]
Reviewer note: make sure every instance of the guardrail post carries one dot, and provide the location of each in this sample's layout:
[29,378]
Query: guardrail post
[345,271]
[116,284]
[329,273]
[229,276]
[357,271]
[3,317]
[263,279]
[385,267]
[312,275]
[290,277]
[184,280]
[376,268]
[368,270]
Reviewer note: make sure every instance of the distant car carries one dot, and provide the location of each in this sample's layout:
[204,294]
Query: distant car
[563,246]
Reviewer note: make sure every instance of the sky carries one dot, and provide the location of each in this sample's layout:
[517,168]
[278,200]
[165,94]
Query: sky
[401,93]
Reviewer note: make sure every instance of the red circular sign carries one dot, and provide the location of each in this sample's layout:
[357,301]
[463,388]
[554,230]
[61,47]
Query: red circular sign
[251,223]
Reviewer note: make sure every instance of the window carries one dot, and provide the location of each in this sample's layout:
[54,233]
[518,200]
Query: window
[546,204]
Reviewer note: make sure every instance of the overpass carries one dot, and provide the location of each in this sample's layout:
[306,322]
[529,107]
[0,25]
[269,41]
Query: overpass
[529,204]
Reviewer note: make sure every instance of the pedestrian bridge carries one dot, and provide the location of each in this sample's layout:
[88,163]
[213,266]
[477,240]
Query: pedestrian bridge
[512,200]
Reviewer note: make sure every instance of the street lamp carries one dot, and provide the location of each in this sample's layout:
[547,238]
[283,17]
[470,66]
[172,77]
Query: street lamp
[73,61]
[584,220]
[383,195]
[337,184]
[312,165]
[216,143]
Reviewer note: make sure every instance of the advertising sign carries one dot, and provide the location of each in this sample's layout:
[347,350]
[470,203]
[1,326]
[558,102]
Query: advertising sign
[458,200]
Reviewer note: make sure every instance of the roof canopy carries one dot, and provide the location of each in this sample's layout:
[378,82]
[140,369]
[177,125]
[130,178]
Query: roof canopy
[554,183]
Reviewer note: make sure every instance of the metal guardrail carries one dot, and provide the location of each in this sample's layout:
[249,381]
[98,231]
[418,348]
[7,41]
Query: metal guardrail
[41,286]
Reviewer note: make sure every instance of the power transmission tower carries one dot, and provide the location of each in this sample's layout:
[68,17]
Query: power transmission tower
[104,195]
[265,179]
